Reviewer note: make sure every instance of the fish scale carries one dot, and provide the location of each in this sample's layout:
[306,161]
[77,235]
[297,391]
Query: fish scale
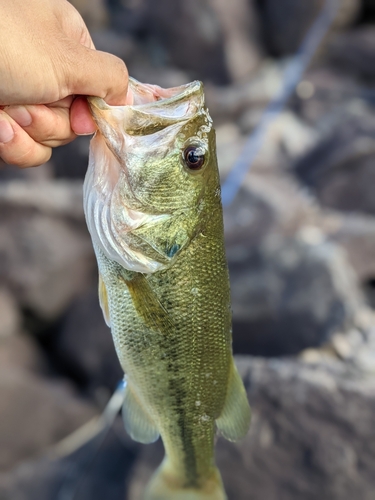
[171,324]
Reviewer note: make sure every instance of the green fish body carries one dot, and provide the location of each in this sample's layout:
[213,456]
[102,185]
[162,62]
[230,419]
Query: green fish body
[153,208]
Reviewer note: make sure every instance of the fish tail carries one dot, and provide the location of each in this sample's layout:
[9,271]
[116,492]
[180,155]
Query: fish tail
[165,485]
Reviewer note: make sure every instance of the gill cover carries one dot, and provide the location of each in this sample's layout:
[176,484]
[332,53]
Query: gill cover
[116,217]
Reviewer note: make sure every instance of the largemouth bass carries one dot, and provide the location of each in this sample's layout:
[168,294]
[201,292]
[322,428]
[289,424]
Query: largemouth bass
[153,209]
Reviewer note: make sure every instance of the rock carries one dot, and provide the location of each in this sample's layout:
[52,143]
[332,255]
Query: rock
[10,315]
[285,29]
[356,234]
[290,295]
[47,256]
[353,51]
[310,436]
[35,414]
[230,102]
[210,40]
[21,352]
[287,137]
[98,470]
[292,287]
[324,92]
[240,27]
[339,169]
[83,345]
[229,145]
[192,42]
[94,12]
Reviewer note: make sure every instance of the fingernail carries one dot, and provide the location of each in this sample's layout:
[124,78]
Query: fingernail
[20,114]
[6,131]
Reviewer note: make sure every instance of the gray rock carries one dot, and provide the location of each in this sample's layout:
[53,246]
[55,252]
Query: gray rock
[356,234]
[96,471]
[292,287]
[240,26]
[192,42]
[47,256]
[83,345]
[339,169]
[285,28]
[10,315]
[231,101]
[325,92]
[35,414]
[354,51]
[21,352]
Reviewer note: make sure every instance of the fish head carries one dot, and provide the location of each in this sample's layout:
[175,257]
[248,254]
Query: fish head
[152,166]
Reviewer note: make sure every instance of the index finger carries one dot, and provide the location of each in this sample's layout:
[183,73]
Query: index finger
[95,73]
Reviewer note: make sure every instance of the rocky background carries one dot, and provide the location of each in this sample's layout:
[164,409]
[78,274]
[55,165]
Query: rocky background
[301,248]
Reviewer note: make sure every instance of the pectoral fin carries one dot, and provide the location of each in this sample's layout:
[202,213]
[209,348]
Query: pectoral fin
[103,300]
[234,420]
[148,305]
[138,423]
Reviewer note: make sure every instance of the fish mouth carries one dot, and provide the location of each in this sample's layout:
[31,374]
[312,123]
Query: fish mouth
[151,108]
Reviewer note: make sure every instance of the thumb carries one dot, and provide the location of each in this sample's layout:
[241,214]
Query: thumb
[91,72]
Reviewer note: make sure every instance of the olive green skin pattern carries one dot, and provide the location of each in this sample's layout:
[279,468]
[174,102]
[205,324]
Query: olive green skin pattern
[171,324]
[181,376]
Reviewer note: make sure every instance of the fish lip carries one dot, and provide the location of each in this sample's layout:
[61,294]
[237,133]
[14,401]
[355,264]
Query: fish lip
[191,93]
[188,91]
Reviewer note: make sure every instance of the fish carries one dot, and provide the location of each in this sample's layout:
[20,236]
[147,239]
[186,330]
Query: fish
[153,208]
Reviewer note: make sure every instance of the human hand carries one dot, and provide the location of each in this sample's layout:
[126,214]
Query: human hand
[47,57]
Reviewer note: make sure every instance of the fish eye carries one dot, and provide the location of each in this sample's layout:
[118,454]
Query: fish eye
[194,157]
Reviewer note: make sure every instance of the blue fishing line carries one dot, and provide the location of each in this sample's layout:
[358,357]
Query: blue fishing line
[292,76]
